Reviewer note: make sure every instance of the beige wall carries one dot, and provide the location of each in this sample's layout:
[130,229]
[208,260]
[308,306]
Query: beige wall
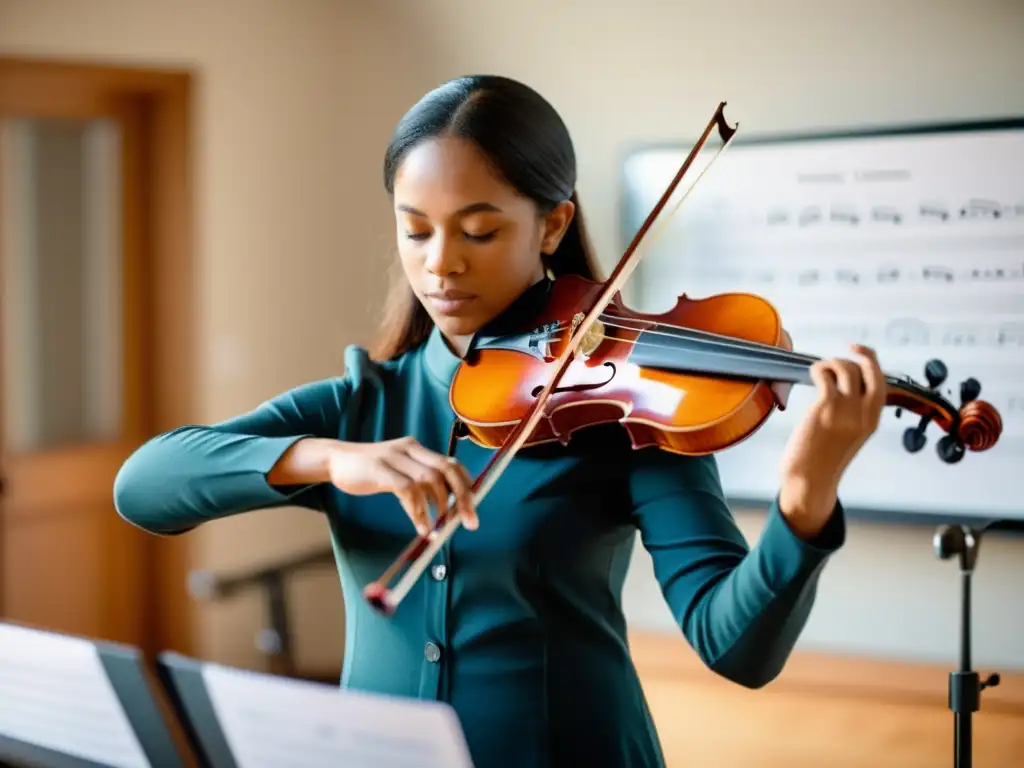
[295,103]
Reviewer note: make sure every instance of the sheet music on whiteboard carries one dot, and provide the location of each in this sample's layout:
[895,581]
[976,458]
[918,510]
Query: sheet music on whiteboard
[277,722]
[56,694]
[911,242]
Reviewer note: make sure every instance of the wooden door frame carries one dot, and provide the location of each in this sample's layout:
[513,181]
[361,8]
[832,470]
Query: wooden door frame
[164,98]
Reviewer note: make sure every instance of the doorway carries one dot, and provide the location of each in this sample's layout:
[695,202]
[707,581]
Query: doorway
[95,307]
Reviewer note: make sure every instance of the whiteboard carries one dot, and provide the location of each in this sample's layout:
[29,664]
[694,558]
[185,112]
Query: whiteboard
[909,241]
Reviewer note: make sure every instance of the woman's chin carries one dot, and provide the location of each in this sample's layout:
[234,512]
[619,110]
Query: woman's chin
[458,325]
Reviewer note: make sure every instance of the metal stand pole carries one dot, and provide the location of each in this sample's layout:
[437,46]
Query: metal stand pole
[965,685]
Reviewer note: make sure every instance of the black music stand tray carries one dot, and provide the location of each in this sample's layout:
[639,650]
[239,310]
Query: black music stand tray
[182,677]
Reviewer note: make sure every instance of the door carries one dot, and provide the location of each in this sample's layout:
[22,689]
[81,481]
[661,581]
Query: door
[72,369]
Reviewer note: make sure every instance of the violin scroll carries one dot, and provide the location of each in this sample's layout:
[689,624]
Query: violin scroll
[980,425]
[975,427]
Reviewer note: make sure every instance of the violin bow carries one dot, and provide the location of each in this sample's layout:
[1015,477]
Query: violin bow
[422,549]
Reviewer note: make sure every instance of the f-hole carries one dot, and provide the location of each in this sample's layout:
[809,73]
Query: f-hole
[581,387]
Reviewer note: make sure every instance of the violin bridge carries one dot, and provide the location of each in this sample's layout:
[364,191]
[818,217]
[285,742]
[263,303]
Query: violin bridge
[591,339]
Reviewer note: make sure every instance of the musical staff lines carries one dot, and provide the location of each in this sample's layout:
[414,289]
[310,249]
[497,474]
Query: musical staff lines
[849,215]
[883,275]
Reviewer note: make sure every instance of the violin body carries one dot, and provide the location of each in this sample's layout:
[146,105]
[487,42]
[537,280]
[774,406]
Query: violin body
[633,374]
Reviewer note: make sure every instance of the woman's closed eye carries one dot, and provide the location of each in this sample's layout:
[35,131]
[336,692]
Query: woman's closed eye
[472,237]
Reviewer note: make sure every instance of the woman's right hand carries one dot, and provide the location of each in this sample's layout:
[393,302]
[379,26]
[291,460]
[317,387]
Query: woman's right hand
[416,475]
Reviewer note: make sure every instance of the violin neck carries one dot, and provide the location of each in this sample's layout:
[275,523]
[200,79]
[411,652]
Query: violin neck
[700,353]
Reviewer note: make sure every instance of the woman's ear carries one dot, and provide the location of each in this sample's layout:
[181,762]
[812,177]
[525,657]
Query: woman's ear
[555,225]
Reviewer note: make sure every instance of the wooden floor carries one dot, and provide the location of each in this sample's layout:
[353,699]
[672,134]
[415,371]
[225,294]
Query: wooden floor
[821,712]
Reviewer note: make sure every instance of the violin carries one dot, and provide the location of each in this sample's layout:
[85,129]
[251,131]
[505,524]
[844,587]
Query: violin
[694,380]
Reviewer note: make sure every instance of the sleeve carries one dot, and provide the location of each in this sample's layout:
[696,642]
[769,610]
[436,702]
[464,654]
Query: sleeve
[180,479]
[740,608]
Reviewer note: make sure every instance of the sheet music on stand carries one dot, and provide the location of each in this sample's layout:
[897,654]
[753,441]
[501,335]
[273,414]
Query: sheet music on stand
[244,719]
[67,701]
[909,240]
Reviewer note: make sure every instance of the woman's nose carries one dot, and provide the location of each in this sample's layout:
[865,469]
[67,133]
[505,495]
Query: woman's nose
[443,256]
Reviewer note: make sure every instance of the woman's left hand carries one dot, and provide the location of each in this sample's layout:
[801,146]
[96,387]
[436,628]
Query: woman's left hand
[851,395]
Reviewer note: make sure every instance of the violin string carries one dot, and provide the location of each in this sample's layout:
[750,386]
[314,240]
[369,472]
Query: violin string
[785,365]
[707,337]
[782,357]
[903,383]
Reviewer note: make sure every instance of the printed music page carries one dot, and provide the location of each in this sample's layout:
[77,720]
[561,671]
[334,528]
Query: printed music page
[272,722]
[55,693]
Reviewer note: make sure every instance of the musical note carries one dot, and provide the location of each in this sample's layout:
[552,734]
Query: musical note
[888,274]
[988,274]
[845,214]
[937,273]
[809,277]
[885,213]
[976,208]
[1009,334]
[939,212]
[811,215]
[997,274]
[847,276]
[960,336]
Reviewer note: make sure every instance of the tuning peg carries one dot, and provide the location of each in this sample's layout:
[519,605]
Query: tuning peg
[913,438]
[950,449]
[936,372]
[969,390]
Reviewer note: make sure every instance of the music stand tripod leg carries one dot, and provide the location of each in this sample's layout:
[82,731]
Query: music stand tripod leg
[965,685]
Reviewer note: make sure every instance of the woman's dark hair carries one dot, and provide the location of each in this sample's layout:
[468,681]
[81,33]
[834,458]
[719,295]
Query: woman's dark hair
[527,144]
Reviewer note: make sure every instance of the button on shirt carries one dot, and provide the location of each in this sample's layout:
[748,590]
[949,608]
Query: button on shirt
[432,653]
[520,626]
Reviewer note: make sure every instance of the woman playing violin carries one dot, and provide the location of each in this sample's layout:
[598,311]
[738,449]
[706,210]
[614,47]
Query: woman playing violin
[518,622]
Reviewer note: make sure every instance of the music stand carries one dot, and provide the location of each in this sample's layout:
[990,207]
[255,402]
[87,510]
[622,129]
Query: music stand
[239,718]
[965,684]
[71,702]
